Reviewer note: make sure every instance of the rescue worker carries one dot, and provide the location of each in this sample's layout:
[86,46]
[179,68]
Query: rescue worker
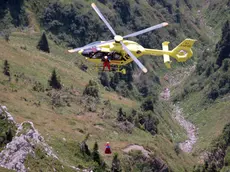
[106,62]
[107,149]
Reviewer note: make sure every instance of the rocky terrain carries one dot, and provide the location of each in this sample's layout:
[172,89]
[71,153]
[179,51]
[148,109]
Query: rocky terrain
[190,128]
[26,140]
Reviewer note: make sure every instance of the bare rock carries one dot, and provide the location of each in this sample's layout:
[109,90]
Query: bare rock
[27,138]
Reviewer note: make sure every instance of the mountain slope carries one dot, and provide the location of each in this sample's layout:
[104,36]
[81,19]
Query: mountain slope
[65,117]
[29,66]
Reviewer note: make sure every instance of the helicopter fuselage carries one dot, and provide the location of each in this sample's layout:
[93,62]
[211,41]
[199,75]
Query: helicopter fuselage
[119,57]
[114,51]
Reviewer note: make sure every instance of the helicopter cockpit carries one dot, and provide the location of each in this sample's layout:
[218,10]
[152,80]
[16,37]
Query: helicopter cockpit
[95,53]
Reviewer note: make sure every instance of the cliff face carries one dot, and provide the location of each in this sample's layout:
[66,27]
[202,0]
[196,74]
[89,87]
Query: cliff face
[26,141]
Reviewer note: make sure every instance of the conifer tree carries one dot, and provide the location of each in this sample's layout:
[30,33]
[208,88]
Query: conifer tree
[9,135]
[121,116]
[43,44]
[147,104]
[115,80]
[116,165]
[6,68]
[54,81]
[7,36]
[84,147]
[104,79]
[95,154]
[223,46]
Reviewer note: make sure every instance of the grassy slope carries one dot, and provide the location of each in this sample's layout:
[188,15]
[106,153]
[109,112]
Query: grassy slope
[5,170]
[56,124]
[209,118]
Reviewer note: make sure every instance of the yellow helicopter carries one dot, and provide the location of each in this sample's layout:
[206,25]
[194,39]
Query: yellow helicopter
[122,52]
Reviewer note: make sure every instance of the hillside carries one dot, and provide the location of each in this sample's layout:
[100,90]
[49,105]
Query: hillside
[128,110]
[204,97]
[72,122]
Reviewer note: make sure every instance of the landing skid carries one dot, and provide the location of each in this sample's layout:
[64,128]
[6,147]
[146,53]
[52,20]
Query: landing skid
[113,69]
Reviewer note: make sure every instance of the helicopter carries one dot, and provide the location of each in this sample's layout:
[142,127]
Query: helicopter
[122,52]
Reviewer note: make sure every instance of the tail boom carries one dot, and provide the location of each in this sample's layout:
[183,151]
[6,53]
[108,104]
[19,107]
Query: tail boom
[181,53]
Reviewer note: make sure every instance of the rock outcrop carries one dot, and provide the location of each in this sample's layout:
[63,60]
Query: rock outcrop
[155,163]
[24,143]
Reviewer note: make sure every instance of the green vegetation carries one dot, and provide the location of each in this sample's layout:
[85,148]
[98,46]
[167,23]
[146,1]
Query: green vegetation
[5,170]
[42,162]
[54,81]
[43,44]
[92,89]
[7,130]
[116,167]
[12,13]
[121,116]
[218,160]
[6,69]
[95,154]
[138,162]
[80,105]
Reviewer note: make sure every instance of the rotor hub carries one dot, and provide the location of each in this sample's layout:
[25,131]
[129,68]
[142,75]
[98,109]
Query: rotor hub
[118,38]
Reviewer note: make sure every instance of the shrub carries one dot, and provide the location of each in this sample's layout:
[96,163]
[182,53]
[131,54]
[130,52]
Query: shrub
[91,89]
[147,121]
[151,123]
[84,147]
[90,103]
[95,154]
[7,130]
[121,116]
[177,148]
[6,68]
[114,81]
[6,35]
[226,64]
[104,79]
[227,157]
[223,46]
[116,164]
[38,87]
[213,94]
[226,133]
[147,104]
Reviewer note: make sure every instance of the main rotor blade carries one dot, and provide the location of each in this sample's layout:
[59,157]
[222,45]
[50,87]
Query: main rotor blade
[103,18]
[89,46]
[134,58]
[146,30]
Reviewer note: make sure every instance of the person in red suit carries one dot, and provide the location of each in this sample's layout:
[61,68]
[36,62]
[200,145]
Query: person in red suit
[106,62]
[107,149]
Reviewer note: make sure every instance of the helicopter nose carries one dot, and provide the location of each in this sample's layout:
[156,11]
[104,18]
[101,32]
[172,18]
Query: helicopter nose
[80,52]
[87,52]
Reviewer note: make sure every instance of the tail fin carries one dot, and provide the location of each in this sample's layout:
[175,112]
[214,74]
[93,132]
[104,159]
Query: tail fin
[167,61]
[183,51]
